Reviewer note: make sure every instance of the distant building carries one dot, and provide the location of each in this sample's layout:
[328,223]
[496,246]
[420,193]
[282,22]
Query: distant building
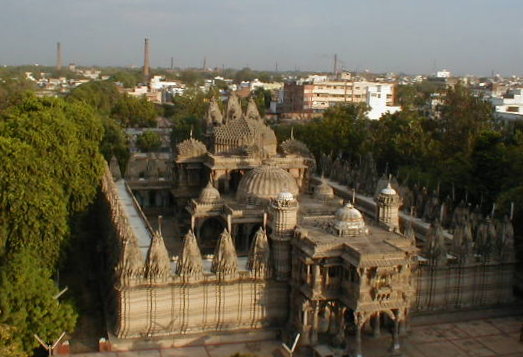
[443,74]
[317,96]
[509,107]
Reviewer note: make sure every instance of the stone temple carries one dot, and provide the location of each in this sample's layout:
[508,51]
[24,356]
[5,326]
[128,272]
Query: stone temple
[260,246]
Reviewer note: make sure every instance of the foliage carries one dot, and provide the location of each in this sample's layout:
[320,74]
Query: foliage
[51,171]
[134,112]
[10,346]
[186,114]
[114,143]
[148,141]
[262,98]
[27,302]
[128,79]
[101,95]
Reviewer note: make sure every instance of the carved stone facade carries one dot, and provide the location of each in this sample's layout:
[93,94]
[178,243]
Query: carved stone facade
[259,252]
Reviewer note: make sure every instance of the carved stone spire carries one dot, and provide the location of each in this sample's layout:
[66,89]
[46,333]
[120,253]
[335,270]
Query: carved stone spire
[409,233]
[259,254]
[225,261]
[115,169]
[190,262]
[157,264]
[252,110]
[234,110]
[131,264]
[214,115]
[435,245]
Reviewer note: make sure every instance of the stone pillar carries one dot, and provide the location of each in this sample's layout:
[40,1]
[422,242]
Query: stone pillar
[340,336]
[316,279]
[395,348]
[314,329]
[357,349]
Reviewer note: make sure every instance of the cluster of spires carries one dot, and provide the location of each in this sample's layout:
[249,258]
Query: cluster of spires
[157,265]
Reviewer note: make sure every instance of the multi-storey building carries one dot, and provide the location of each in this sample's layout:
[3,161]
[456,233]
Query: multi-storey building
[318,96]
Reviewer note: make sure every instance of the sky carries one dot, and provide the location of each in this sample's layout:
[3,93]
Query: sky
[410,36]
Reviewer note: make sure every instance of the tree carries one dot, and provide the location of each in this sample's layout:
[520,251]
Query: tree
[10,346]
[148,141]
[101,95]
[27,301]
[134,112]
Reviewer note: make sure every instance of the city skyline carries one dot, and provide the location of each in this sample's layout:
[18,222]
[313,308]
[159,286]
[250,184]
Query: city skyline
[472,37]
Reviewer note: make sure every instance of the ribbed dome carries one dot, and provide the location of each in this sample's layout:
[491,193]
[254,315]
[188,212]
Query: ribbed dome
[349,221]
[263,183]
[190,148]
[209,195]
[389,191]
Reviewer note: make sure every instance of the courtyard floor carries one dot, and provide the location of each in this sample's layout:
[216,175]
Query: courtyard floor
[490,337]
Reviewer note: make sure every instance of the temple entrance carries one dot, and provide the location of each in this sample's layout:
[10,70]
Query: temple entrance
[209,233]
[234,181]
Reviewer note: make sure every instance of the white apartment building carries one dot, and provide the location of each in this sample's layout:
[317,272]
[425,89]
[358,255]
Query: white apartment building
[510,106]
[378,96]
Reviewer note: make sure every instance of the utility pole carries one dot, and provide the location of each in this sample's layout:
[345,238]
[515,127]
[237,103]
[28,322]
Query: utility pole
[51,346]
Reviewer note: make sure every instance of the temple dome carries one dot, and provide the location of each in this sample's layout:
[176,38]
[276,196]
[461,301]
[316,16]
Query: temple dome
[349,222]
[323,191]
[264,182]
[388,191]
[209,195]
[190,148]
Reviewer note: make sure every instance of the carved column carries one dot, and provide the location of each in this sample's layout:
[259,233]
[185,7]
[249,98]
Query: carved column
[316,280]
[395,348]
[314,329]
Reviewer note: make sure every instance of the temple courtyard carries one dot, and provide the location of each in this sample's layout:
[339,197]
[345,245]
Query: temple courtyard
[488,337]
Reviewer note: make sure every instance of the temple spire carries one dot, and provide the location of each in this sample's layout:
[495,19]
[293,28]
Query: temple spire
[190,261]
[131,263]
[259,254]
[225,261]
[157,264]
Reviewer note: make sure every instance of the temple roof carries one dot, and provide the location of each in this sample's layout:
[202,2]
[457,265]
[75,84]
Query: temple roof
[190,148]
[190,260]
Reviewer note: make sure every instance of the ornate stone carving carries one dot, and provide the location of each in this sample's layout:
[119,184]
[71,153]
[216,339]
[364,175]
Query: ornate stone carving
[259,255]
[190,260]
[225,262]
[157,264]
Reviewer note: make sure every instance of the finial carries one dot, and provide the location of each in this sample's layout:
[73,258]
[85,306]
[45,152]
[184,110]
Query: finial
[493,209]
[353,196]
[292,132]
[190,133]
[160,224]
[511,210]
[390,178]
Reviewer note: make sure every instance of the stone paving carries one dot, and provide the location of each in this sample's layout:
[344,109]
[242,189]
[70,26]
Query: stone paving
[492,337]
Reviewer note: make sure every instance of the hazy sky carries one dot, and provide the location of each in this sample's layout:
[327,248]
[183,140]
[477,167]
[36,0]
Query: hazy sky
[412,36]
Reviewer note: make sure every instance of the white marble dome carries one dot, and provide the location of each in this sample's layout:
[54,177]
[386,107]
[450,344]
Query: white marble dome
[349,222]
[388,191]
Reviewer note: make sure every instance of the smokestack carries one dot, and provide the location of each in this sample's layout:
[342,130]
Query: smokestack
[204,63]
[172,63]
[58,56]
[335,69]
[146,64]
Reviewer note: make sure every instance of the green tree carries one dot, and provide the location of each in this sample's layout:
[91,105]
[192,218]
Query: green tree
[10,346]
[27,302]
[148,141]
[134,112]
[101,95]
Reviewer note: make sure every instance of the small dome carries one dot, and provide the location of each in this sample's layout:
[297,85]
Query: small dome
[265,182]
[349,221]
[190,148]
[209,195]
[323,191]
[389,191]
[285,196]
